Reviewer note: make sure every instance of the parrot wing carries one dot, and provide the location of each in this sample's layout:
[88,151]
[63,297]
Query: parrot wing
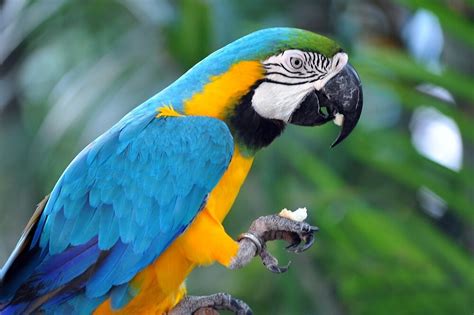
[118,206]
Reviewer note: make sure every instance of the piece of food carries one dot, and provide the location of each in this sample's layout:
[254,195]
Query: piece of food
[298,215]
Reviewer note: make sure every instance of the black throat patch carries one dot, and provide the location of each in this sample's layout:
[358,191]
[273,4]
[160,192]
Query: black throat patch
[250,130]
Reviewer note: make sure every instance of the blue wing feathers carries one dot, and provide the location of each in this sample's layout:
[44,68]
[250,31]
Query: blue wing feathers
[127,229]
[131,193]
[102,280]
[62,268]
[78,304]
[120,296]
[57,228]
[85,226]
[108,227]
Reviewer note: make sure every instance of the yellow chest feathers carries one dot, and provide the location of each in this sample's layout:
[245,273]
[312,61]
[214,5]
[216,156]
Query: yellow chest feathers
[224,194]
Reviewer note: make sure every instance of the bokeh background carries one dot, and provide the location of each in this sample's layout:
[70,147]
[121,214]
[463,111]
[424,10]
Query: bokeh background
[394,202]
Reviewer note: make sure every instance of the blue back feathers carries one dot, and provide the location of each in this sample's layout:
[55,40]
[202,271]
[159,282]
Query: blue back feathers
[120,203]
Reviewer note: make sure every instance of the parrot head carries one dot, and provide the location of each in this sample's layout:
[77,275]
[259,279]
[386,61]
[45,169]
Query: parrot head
[276,77]
[310,83]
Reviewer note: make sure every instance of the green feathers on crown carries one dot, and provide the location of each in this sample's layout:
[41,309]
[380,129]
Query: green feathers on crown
[309,41]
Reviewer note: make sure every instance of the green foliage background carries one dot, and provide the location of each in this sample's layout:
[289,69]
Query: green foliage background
[70,69]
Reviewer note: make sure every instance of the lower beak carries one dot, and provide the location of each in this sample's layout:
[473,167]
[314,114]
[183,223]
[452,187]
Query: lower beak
[339,100]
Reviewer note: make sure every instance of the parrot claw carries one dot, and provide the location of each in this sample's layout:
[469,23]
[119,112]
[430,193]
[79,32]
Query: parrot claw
[299,235]
[297,247]
[292,247]
[210,305]
[271,263]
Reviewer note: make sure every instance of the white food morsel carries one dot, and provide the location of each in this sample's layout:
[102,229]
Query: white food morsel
[338,119]
[298,215]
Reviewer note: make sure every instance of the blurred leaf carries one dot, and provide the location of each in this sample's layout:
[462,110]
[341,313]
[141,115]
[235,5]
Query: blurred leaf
[453,22]
[386,63]
[189,37]
[399,160]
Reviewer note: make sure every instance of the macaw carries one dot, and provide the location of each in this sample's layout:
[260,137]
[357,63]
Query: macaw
[143,204]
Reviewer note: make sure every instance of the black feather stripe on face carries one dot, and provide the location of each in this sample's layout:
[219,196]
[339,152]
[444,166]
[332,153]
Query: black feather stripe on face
[251,131]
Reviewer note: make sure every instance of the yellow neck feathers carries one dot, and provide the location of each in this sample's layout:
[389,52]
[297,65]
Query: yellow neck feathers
[223,91]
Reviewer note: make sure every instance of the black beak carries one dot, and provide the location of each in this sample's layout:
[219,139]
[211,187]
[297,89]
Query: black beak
[341,95]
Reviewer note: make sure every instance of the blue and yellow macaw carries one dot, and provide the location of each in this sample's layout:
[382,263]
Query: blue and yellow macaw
[143,204]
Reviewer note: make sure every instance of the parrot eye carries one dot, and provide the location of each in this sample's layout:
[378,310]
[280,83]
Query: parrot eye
[296,62]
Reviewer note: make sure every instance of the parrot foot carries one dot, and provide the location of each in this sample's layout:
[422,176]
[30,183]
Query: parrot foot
[299,235]
[209,305]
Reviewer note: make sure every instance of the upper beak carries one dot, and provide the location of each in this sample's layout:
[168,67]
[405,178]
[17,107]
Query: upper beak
[339,100]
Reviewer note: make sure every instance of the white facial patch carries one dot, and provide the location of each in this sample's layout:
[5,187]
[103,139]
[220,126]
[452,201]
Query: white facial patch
[275,101]
[290,76]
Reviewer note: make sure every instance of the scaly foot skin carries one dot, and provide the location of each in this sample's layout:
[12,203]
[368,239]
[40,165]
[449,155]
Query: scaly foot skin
[299,235]
[207,304]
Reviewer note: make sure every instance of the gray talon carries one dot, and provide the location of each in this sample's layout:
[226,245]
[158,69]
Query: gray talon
[292,247]
[308,244]
[271,263]
[218,301]
[298,235]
